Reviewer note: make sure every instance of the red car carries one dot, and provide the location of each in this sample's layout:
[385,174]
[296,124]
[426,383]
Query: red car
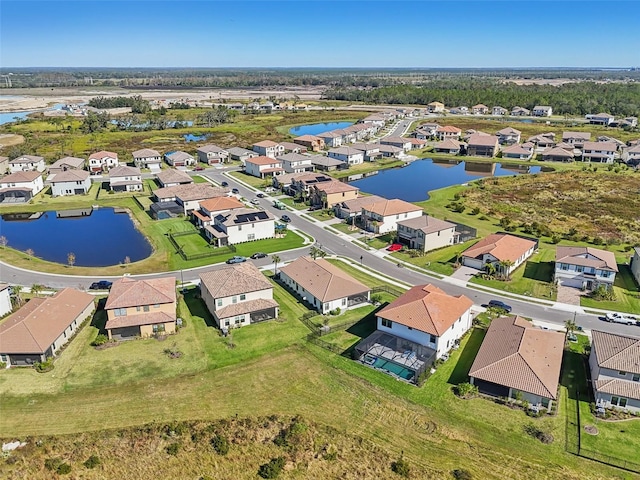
[198,168]
[395,247]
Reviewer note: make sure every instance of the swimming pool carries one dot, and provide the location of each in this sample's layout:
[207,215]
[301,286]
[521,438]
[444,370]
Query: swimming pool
[394,368]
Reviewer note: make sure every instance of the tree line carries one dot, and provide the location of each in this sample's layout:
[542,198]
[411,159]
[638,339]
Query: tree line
[136,102]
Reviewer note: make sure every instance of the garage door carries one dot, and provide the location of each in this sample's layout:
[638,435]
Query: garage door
[125,333]
[489,388]
[472,262]
[571,282]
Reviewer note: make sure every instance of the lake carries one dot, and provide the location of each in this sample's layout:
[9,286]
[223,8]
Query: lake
[98,239]
[8,117]
[411,183]
[316,128]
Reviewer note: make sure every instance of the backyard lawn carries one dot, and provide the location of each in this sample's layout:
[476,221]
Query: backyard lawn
[627,294]
[259,183]
[440,261]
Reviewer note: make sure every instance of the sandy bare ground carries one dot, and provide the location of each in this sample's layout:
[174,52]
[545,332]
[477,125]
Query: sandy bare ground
[19,99]
[9,139]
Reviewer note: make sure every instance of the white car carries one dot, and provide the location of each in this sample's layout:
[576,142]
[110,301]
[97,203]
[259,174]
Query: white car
[621,318]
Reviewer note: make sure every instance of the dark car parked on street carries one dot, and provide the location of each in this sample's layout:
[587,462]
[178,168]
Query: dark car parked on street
[499,304]
[101,285]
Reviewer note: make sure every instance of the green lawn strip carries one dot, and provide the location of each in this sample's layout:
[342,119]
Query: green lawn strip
[627,294]
[321,215]
[380,241]
[290,202]
[367,167]
[361,276]
[255,182]
[439,261]
[199,179]
[344,228]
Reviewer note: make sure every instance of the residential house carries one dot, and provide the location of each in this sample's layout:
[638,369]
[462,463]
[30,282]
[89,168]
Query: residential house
[4,165]
[27,163]
[508,135]
[576,139]
[263,166]
[331,139]
[42,326]
[268,148]
[352,209]
[179,159]
[425,316]
[426,233]
[71,182]
[519,361]
[448,131]
[102,161]
[505,252]
[241,225]
[585,267]
[543,140]
[383,216]
[520,112]
[188,196]
[635,264]
[449,146]
[390,151]
[426,131]
[349,155]
[300,184]
[238,295]
[241,154]
[212,207]
[479,109]
[327,164]
[557,154]
[147,158]
[284,180]
[370,151]
[290,147]
[482,145]
[328,194]
[435,107]
[376,119]
[628,122]
[296,163]
[601,152]
[400,142]
[20,186]
[125,179]
[141,308]
[66,163]
[542,111]
[519,151]
[172,177]
[212,154]
[600,119]
[5,299]
[497,110]
[614,363]
[311,142]
[323,285]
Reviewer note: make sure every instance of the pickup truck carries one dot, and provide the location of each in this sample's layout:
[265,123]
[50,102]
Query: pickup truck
[621,318]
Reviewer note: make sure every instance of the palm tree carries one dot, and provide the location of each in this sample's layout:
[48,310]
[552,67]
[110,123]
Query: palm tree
[316,252]
[505,266]
[275,259]
[36,289]
[17,290]
[490,269]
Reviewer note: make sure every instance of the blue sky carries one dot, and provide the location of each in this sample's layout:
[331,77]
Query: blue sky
[305,33]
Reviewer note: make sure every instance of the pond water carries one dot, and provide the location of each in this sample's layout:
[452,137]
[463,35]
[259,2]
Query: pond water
[190,137]
[316,128]
[411,183]
[99,238]
[8,117]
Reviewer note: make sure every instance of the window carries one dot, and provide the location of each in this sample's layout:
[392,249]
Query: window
[619,402]
[145,308]
[120,312]
[239,227]
[219,302]
[579,268]
[387,323]
[432,339]
[3,358]
[234,299]
[564,266]
[156,306]
[325,306]
[65,334]
[604,274]
[251,236]
[344,302]
[636,377]
[243,297]
[226,324]
[622,374]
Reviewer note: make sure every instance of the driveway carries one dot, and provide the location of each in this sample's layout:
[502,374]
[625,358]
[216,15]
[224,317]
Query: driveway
[569,295]
[464,273]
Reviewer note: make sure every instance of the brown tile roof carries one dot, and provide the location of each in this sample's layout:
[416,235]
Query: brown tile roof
[619,387]
[346,151]
[308,138]
[147,318]
[517,150]
[192,191]
[210,148]
[501,246]
[128,292]
[261,160]
[356,204]
[323,280]
[102,154]
[394,206]
[179,156]
[448,144]
[449,129]
[171,175]
[335,187]
[558,152]
[71,176]
[265,143]
[293,146]
[234,280]
[426,308]
[483,140]
[74,162]
[145,152]
[245,307]
[617,352]
[219,204]
[587,257]
[27,159]
[600,146]
[576,135]
[21,177]
[123,171]
[34,327]
[241,216]
[509,131]
[427,224]
[516,354]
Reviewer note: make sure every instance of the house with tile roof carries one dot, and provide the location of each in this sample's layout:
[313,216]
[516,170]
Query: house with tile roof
[542,111]
[147,158]
[102,161]
[212,154]
[66,163]
[327,164]
[600,119]
[558,154]
[171,177]
[498,110]
[327,194]
[263,166]
[416,329]
[352,209]
[291,147]
[435,107]
[311,142]
[600,152]
[482,145]
[240,225]
[212,207]
[426,233]
[141,308]
[348,155]
[323,285]
[70,182]
[448,131]
[509,135]
[585,267]
[331,139]
[497,249]
[296,163]
[27,163]
[519,151]
[543,140]
[614,363]
[401,142]
[268,148]
[179,159]
[238,295]
[42,326]
[449,145]
[479,109]
[125,179]
[20,186]
[383,216]
[518,360]
[189,196]
[241,154]
[520,112]
[576,139]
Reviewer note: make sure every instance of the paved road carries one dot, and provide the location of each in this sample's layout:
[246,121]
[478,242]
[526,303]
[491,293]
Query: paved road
[332,244]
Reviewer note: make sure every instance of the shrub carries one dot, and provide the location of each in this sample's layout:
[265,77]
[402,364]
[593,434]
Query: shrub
[173,448]
[220,444]
[376,298]
[272,469]
[100,340]
[52,463]
[92,462]
[466,390]
[401,467]
[63,469]
[535,432]
[461,474]
[43,367]
[3,365]
[475,211]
